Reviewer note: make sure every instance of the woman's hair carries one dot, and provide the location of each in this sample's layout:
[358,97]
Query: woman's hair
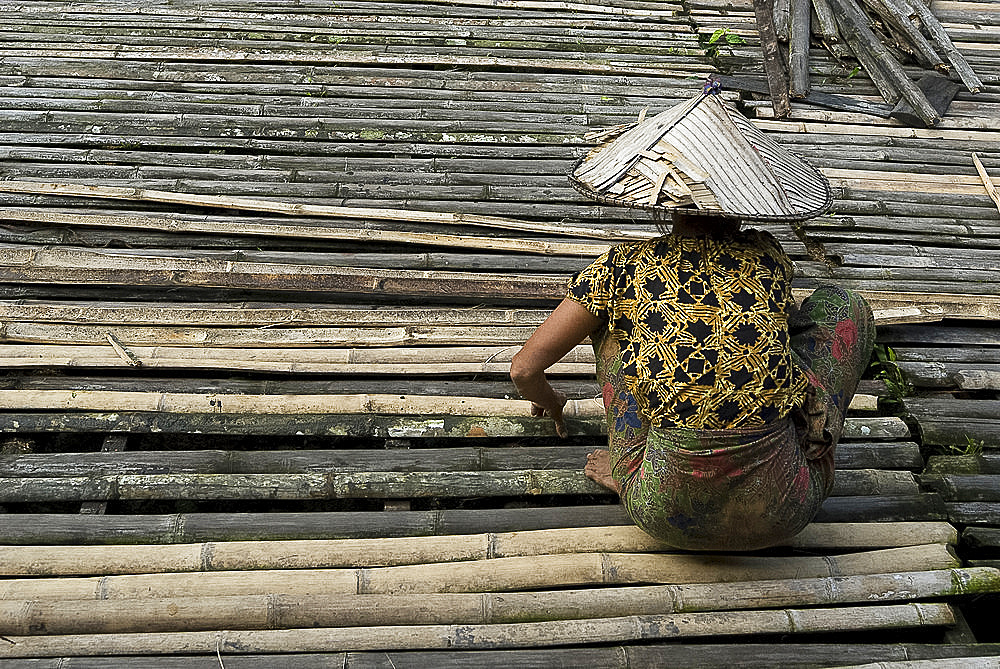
[712,224]
[663,221]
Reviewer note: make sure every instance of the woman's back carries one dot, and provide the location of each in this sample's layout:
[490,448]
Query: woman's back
[702,323]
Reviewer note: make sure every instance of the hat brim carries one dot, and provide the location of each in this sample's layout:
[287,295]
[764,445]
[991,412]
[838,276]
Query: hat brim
[706,159]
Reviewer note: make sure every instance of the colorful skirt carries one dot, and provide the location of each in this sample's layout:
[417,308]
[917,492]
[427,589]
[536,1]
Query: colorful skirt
[742,489]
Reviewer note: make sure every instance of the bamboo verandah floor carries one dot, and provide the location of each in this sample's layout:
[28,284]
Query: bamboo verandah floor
[249,429]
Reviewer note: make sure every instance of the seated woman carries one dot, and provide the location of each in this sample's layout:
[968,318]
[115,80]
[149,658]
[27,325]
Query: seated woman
[724,402]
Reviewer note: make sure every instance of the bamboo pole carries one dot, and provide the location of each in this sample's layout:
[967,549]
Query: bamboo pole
[383,552]
[67,265]
[376,337]
[179,225]
[298,209]
[955,305]
[256,315]
[353,485]
[404,360]
[608,630]
[415,405]
[345,337]
[70,529]
[284,611]
[497,574]
[326,404]
[365,485]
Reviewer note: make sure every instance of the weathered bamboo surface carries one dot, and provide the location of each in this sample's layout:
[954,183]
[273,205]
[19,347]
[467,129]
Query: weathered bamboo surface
[284,252]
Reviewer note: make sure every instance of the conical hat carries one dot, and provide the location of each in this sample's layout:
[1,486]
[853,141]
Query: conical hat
[703,156]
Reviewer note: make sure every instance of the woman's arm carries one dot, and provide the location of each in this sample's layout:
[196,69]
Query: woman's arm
[568,325]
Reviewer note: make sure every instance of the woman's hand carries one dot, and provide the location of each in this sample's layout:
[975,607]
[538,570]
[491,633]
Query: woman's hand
[566,327]
[554,410]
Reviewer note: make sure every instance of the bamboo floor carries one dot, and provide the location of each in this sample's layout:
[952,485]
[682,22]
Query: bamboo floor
[263,267]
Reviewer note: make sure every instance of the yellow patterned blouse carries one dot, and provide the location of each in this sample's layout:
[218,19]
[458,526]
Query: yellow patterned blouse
[702,324]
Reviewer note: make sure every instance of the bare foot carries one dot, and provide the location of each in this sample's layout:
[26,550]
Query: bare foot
[599,469]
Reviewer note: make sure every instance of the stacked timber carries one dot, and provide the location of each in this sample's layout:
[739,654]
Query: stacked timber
[888,39]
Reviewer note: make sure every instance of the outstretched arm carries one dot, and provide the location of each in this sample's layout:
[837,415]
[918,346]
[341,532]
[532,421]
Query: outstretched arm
[568,325]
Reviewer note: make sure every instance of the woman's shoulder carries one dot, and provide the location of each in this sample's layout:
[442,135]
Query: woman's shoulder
[630,252]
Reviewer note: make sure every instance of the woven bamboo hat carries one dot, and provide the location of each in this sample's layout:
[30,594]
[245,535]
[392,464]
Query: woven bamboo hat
[703,156]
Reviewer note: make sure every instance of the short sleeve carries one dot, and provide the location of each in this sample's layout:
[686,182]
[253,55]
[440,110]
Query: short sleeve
[593,287]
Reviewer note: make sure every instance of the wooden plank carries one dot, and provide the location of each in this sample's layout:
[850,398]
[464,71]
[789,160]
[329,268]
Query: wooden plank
[982,542]
[950,407]
[974,513]
[798,48]
[958,336]
[966,375]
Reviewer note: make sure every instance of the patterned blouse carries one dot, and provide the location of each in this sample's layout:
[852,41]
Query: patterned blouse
[702,324]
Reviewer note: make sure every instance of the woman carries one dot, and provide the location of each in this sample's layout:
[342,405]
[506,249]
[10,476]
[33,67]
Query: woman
[724,403]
